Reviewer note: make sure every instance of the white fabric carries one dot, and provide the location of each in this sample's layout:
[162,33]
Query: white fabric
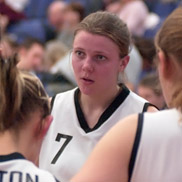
[134,67]
[134,14]
[159,155]
[17,5]
[77,150]
[64,66]
[22,170]
[152,20]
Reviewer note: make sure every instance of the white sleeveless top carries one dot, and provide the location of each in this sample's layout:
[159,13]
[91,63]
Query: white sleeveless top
[157,151]
[69,140]
[15,168]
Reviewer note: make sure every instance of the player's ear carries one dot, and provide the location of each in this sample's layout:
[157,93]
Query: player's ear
[44,126]
[165,65]
[123,63]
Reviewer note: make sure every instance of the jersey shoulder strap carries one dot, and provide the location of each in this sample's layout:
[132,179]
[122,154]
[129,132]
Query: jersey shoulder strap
[52,101]
[135,145]
[146,105]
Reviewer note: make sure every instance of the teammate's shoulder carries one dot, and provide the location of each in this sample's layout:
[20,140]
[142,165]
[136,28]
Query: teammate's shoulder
[164,113]
[45,176]
[33,172]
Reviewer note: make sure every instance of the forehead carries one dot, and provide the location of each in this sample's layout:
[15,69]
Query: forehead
[56,7]
[36,47]
[85,39]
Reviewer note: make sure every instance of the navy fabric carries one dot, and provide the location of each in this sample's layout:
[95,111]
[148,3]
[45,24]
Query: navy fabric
[36,28]
[164,9]
[37,8]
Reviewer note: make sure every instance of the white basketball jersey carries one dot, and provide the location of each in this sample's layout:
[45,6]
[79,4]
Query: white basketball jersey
[158,149]
[15,168]
[69,140]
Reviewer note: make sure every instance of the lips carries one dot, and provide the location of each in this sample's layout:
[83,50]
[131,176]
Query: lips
[87,80]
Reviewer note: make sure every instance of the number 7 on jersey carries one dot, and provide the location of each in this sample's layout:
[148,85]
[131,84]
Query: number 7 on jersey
[58,139]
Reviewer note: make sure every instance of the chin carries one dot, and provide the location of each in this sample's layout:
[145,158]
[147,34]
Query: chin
[86,91]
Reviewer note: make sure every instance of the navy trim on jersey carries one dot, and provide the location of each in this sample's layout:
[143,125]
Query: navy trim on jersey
[52,101]
[9,157]
[146,105]
[135,146]
[57,180]
[105,115]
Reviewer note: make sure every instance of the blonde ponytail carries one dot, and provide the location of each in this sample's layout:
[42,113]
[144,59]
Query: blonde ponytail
[10,91]
[21,93]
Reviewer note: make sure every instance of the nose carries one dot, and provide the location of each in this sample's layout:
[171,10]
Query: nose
[88,65]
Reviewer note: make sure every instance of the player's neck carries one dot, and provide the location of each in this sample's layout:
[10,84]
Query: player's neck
[101,101]
[7,143]
[94,108]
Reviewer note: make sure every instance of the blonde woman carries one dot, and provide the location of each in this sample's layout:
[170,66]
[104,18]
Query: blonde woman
[24,120]
[83,115]
[147,147]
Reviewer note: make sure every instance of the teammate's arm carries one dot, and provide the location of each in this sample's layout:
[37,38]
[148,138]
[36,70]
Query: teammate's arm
[109,160]
[152,109]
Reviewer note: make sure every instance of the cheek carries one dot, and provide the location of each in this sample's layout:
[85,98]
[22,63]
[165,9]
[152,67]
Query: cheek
[109,73]
[113,70]
[76,66]
[30,57]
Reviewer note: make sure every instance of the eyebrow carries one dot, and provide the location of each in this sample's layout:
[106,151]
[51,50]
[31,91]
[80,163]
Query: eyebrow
[95,51]
[78,48]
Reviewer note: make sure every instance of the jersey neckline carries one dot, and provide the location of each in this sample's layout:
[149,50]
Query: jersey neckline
[119,99]
[12,156]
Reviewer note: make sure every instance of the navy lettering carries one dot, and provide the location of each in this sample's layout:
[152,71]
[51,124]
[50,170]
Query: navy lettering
[16,175]
[1,175]
[29,178]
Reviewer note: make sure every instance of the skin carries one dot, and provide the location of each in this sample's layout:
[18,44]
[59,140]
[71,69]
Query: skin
[56,12]
[109,160]
[96,64]
[169,75]
[148,94]
[6,49]
[31,59]
[32,132]
[71,19]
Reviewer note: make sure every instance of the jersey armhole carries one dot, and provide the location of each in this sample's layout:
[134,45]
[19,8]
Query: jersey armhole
[135,146]
[146,105]
[57,180]
[52,101]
